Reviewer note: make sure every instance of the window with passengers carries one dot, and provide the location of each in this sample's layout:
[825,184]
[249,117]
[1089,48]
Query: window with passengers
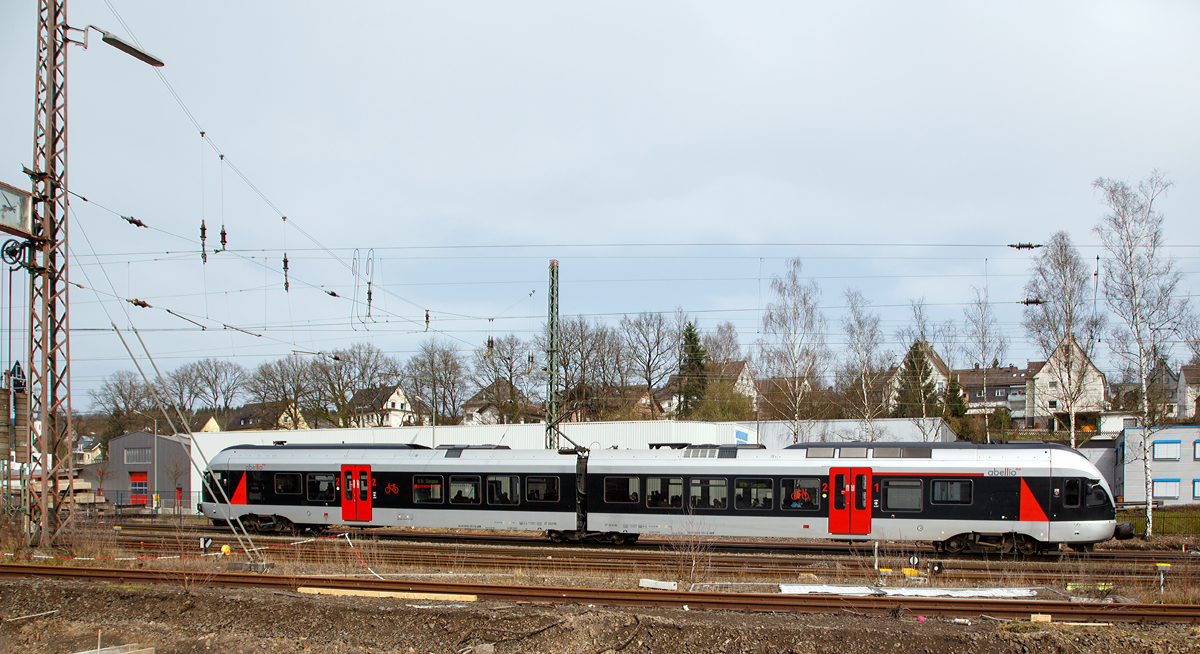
[664,492]
[801,494]
[754,494]
[708,493]
[620,490]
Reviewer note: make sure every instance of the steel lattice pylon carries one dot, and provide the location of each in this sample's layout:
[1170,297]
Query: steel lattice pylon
[52,505]
[552,389]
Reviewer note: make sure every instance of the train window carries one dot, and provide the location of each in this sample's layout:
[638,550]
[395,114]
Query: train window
[364,485]
[210,491]
[753,494]
[820,453]
[287,483]
[1070,492]
[348,485]
[1096,495]
[853,453]
[541,489]
[917,453]
[802,494]
[503,489]
[951,491]
[836,485]
[464,489]
[427,490]
[902,495]
[861,488]
[708,493]
[620,489]
[664,492]
[255,483]
[322,487]
[885,453]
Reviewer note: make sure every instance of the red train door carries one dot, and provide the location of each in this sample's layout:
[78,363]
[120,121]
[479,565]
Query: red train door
[356,493]
[849,500]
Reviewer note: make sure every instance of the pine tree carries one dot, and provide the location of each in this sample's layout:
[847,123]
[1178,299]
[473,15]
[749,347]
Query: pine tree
[692,372]
[917,395]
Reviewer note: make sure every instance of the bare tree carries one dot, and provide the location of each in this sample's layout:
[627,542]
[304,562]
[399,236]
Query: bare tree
[340,374]
[1064,327]
[793,354]
[285,388]
[121,397]
[722,344]
[861,378]
[435,378]
[184,387]
[508,375]
[652,345]
[1140,282]
[223,383]
[985,343]
[1191,336]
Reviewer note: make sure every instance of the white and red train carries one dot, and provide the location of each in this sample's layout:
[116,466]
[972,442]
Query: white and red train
[959,496]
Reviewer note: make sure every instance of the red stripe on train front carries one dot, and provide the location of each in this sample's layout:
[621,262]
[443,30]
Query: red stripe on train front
[1030,509]
[239,495]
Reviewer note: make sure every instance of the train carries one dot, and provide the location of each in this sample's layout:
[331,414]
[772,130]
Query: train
[1027,497]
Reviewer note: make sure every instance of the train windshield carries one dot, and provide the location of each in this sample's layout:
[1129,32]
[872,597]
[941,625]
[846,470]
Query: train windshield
[1096,495]
[208,490]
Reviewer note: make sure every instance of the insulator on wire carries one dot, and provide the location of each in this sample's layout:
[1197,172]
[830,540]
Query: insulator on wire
[203,240]
[427,320]
[286,285]
[223,248]
[368,299]
[491,346]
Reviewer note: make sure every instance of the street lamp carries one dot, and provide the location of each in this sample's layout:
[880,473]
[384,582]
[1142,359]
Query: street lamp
[120,44]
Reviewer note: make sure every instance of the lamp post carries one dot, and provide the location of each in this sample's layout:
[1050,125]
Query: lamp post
[46,259]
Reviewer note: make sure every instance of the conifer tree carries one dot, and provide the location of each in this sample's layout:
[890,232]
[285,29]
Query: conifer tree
[692,371]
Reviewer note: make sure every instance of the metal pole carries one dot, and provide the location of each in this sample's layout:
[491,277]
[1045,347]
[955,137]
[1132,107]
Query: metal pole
[552,346]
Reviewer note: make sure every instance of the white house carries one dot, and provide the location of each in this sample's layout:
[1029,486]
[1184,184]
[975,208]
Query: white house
[1188,393]
[1068,380]
[385,406]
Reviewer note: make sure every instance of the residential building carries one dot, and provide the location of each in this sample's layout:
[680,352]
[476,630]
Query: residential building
[385,406]
[1174,465]
[1188,392]
[492,405]
[1006,388]
[264,416]
[735,373]
[938,377]
[1068,378]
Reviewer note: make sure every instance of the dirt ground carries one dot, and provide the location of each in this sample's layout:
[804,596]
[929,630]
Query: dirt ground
[178,620]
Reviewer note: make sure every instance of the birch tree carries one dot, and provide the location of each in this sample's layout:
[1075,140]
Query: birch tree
[1063,325]
[722,344]
[984,343]
[862,375]
[1140,285]
[793,353]
[652,345]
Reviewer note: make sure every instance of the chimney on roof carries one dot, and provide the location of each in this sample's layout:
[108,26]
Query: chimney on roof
[977,366]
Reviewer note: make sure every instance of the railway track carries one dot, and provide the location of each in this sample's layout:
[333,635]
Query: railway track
[547,558]
[869,606]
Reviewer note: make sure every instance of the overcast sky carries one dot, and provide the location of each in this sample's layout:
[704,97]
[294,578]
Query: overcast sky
[667,154]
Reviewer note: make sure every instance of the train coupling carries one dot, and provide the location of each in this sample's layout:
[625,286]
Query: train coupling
[1124,531]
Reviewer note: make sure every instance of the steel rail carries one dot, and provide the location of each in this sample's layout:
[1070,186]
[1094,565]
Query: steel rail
[753,602]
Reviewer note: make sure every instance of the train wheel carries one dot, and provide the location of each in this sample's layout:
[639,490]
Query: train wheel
[955,544]
[556,537]
[616,539]
[285,526]
[1027,545]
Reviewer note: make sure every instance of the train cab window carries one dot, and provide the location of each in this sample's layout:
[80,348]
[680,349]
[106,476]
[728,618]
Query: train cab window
[322,487]
[664,492]
[708,493]
[951,491]
[541,489]
[618,490]
[503,489]
[287,483]
[211,489]
[803,494]
[754,494]
[1070,492]
[427,490]
[464,489]
[902,495]
[255,483]
[1096,495]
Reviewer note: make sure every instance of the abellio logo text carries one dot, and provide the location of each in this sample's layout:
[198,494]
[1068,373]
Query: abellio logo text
[1003,472]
